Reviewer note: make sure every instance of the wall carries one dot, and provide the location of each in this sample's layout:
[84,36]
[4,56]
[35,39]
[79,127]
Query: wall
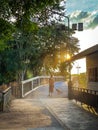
[92,62]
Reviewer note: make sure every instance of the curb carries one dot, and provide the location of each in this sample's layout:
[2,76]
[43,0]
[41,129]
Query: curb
[56,117]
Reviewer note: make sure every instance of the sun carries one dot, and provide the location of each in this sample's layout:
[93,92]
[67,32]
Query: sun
[67,56]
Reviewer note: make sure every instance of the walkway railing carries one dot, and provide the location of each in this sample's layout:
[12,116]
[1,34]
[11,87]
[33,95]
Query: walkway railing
[86,96]
[5,98]
[31,84]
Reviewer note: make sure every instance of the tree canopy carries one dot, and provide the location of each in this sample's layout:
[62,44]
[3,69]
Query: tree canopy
[32,38]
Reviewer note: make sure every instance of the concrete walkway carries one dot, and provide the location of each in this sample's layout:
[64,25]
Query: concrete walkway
[28,115]
[38,111]
[71,115]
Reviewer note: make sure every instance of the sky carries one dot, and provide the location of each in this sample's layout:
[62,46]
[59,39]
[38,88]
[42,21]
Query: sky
[85,11]
[84,5]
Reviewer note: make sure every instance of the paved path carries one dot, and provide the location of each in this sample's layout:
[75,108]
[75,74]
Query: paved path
[28,115]
[71,114]
[38,111]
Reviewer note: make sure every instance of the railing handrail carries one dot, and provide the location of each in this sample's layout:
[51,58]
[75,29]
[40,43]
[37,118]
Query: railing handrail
[6,90]
[28,80]
[5,98]
[85,96]
[86,90]
[32,86]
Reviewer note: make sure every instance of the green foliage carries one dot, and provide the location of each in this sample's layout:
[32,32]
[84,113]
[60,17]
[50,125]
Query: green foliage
[34,40]
[7,66]
[17,8]
[2,45]
[83,80]
[79,80]
[57,45]
[6,30]
[26,25]
[20,46]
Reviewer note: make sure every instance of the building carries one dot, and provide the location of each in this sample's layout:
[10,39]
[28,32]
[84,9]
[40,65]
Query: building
[91,55]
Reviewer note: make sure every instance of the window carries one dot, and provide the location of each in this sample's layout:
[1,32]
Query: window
[93,74]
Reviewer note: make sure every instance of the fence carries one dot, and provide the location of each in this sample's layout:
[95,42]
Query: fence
[86,96]
[29,85]
[5,98]
[16,89]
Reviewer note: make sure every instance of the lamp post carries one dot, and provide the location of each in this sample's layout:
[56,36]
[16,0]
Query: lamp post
[62,27]
[68,24]
[69,39]
[78,67]
[78,27]
[74,27]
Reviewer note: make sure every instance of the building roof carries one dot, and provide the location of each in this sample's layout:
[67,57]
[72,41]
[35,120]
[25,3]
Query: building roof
[85,53]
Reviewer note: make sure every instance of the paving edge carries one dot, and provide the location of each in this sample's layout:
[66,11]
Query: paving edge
[56,117]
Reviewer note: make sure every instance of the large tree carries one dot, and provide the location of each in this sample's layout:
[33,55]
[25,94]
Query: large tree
[23,14]
[58,45]
[34,38]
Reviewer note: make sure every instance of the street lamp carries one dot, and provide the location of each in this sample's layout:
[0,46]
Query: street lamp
[74,27]
[78,26]
[69,36]
[68,24]
[78,68]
